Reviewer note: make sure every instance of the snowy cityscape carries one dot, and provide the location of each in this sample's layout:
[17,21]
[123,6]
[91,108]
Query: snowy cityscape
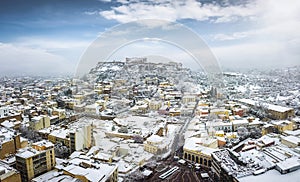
[135,120]
[149,91]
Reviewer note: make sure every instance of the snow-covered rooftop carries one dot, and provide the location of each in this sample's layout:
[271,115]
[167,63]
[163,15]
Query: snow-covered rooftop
[44,143]
[195,144]
[293,162]
[155,139]
[272,175]
[292,139]
[269,106]
[27,152]
[54,176]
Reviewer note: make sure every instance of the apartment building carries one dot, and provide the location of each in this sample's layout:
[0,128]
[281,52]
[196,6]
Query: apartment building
[60,136]
[80,137]
[9,174]
[35,160]
[39,122]
[9,142]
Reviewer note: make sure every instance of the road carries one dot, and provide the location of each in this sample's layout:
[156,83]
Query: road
[184,174]
[179,138]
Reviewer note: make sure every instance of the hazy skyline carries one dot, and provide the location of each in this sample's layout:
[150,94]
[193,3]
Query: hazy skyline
[41,37]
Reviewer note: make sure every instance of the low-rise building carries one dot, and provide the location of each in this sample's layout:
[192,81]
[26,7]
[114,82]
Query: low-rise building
[188,98]
[175,112]
[202,111]
[292,133]
[3,110]
[242,165]
[61,113]
[239,123]
[283,125]
[154,144]
[155,105]
[225,126]
[221,112]
[140,107]
[11,123]
[53,175]
[291,141]
[92,108]
[199,150]
[9,174]
[86,172]
[268,128]
[9,142]
[276,112]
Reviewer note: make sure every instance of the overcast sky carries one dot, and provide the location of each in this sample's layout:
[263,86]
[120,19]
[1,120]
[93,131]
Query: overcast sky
[44,37]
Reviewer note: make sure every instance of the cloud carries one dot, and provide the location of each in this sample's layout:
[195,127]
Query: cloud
[18,60]
[272,41]
[225,19]
[279,20]
[51,44]
[106,1]
[233,36]
[257,55]
[90,12]
[177,10]
[284,31]
[266,33]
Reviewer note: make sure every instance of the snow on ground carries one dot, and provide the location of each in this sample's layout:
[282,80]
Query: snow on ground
[172,129]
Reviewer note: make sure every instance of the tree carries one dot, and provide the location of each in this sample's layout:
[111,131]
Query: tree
[138,139]
[255,132]
[68,92]
[242,132]
[61,150]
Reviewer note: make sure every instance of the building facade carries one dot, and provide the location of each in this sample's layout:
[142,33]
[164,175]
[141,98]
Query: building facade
[9,142]
[80,137]
[9,174]
[154,144]
[199,150]
[275,112]
[39,122]
[35,160]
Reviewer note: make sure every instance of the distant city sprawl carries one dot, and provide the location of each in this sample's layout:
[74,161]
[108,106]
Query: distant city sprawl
[136,120]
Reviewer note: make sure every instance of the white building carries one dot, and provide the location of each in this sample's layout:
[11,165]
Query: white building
[3,111]
[80,137]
